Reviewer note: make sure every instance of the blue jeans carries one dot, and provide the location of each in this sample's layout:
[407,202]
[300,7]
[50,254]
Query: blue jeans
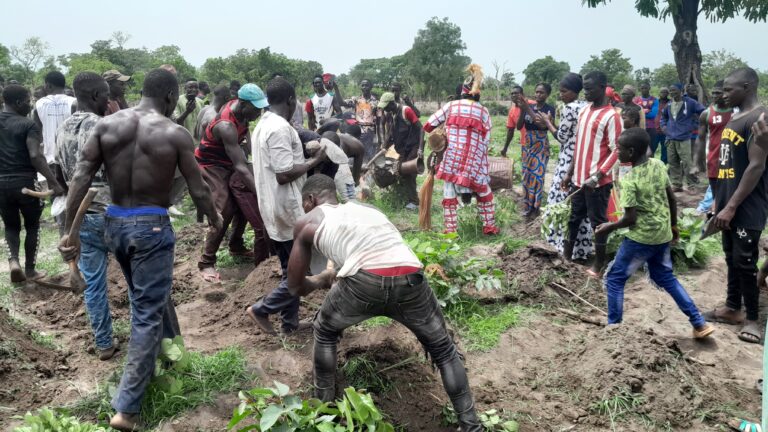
[93,265]
[705,205]
[143,246]
[280,300]
[629,258]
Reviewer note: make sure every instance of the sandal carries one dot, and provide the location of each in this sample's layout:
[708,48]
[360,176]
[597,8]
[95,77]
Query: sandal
[744,426]
[703,331]
[750,333]
[716,315]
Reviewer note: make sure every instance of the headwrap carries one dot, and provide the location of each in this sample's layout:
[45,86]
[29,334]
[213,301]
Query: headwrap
[612,95]
[572,82]
[327,78]
[474,81]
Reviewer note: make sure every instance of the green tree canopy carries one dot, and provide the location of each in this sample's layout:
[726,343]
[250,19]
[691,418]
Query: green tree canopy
[665,75]
[613,64]
[436,60]
[545,69]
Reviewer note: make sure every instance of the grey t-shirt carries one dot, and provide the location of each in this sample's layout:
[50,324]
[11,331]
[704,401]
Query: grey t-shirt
[71,137]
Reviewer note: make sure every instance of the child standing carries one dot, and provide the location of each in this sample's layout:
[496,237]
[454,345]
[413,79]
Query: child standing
[650,213]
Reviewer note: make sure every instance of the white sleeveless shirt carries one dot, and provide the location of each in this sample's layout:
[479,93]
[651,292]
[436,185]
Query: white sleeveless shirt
[323,106]
[358,237]
[52,111]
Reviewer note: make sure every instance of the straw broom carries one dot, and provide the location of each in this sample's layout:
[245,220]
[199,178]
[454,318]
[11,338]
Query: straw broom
[437,142]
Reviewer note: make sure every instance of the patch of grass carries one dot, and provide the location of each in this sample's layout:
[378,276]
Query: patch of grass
[362,372]
[617,406]
[225,260]
[379,321]
[470,226]
[44,340]
[482,326]
[511,244]
[46,419]
[121,329]
[205,376]
[8,349]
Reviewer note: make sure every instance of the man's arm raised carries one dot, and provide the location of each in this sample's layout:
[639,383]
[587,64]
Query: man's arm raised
[198,189]
[301,256]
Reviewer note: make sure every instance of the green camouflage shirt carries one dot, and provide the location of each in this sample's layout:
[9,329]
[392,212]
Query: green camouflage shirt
[645,188]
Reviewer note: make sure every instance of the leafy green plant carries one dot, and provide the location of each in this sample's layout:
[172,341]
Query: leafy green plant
[690,250]
[274,409]
[618,405]
[448,270]
[45,420]
[491,420]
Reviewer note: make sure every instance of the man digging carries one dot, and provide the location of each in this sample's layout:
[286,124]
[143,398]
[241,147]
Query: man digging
[378,275]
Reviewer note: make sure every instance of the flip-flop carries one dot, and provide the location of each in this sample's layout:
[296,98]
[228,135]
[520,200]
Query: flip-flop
[210,277]
[744,426]
[706,330]
[712,316]
[750,333]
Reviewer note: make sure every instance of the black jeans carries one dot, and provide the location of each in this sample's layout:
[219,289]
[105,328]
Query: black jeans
[13,206]
[407,299]
[280,300]
[591,203]
[741,247]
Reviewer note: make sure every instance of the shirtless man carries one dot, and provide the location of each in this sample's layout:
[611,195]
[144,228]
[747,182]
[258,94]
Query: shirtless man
[378,275]
[140,149]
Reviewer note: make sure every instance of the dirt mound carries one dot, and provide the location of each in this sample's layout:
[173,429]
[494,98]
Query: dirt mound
[632,375]
[414,395]
[26,367]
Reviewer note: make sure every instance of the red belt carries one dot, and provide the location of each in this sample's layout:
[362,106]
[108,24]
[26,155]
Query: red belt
[394,271]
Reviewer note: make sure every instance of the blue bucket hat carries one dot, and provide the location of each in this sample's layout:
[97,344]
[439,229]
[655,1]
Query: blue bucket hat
[253,94]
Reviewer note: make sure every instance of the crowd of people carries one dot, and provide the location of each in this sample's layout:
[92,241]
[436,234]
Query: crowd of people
[297,185]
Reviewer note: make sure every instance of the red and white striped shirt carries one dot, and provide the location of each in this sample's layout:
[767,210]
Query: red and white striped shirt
[597,138]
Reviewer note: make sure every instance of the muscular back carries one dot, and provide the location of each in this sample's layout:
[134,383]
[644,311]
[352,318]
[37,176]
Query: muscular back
[141,150]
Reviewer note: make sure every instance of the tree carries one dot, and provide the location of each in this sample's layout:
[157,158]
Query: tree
[665,75]
[613,64]
[498,74]
[171,54]
[436,61]
[685,15]
[381,71]
[120,38]
[717,65]
[643,74]
[545,69]
[28,56]
[5,61]
[76,63]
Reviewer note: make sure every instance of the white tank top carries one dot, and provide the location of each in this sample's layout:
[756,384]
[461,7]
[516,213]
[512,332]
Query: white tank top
[358,237]
[52,111]
[323,106]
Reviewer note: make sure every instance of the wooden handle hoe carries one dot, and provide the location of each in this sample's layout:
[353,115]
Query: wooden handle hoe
[37,194]
[76,281]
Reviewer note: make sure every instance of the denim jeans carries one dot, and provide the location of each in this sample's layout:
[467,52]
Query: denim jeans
[629,258]
[143,246]
[280,300]
[93,265]
[407,299]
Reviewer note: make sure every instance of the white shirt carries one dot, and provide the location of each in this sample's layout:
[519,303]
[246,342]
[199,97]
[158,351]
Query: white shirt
[52,111]
[323,106]
[359,237]
[276,148]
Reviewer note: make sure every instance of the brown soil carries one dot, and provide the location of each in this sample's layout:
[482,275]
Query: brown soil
[549,373]
[26,367]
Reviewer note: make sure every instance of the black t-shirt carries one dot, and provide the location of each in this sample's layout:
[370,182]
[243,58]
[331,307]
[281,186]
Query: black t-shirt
[15,166]
[546,109]
[734,159]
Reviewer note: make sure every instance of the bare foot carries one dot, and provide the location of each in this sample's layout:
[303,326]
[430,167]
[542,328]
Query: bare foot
[17,274]
[210,275]
[261,321]
[125,422]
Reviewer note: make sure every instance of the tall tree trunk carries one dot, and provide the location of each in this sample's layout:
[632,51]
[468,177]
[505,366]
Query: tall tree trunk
[685,46]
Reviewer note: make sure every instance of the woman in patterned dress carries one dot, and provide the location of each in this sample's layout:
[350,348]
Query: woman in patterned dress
[570,87]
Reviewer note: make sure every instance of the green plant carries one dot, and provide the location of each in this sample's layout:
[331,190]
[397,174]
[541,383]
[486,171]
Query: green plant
[482,326]
[45,420]
[491,420]
[43,339]
[183,381]
[448,270]
[363,373]
[274,409]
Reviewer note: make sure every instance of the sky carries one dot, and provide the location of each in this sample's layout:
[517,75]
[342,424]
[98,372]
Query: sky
[338,34]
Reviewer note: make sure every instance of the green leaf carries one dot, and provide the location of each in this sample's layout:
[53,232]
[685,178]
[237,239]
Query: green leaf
[510,426]
[281,388]
[238,415]
[360,409]
[270,416]
[170,350]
